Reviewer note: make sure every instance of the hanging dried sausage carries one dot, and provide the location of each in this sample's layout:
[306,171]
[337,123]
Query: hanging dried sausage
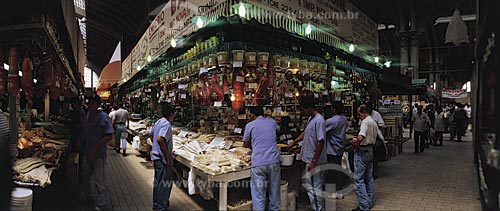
[27,78]
[3,76]
[238,90]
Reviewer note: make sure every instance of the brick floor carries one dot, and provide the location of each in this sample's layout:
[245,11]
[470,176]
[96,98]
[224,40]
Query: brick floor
[441,178]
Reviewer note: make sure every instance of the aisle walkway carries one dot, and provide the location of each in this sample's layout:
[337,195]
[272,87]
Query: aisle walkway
[442,178]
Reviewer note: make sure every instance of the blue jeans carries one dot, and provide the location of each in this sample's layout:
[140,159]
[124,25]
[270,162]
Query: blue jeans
[363,177]
[263,178]
[315,193]
[162,186]
[120,135]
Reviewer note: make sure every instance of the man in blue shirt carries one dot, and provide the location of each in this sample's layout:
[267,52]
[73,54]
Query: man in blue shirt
[313,151]
[336,128]
[161,154]
[260,135]
[98,132]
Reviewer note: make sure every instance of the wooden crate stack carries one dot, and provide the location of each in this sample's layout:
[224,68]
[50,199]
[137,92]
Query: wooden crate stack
[393,133]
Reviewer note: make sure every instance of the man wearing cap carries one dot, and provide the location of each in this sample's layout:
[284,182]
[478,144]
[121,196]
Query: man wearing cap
[363,159]
[313,151]
[120,120]
[98,132]
[260,135]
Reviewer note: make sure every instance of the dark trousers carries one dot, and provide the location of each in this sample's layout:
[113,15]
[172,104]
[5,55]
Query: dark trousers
[335,177]
[419,141]
[438,137]
[162,186]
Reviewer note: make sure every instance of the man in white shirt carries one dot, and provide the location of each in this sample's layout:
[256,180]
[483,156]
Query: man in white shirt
[363,159]
[120,120]
[375,115]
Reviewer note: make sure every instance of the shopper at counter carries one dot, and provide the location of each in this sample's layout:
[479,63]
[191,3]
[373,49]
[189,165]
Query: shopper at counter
[363,159]
[98,132]
[161,154]
[313,151]
[336,128]
[120,119]
[260,135]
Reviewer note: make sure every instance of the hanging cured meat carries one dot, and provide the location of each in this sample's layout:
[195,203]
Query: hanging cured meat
[202,93]
[27,78]
[216,92]
[238,89]
[13,86]
[55,88]
[266,85]
[3,76]
[48,64]
[225,80]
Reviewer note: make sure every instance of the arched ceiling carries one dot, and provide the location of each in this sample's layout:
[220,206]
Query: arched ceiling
[111,21]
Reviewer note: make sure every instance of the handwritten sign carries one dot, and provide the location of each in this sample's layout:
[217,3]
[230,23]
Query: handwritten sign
[183,133]
[237,130]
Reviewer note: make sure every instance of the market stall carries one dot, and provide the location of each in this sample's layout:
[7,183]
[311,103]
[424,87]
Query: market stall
[39,74]
[219,62]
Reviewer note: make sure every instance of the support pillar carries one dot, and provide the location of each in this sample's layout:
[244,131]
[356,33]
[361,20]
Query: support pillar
[47,106]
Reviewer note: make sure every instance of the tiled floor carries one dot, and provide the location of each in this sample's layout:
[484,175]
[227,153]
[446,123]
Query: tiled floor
[441,178]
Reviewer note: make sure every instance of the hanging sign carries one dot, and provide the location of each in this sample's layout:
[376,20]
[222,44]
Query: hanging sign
[454,94]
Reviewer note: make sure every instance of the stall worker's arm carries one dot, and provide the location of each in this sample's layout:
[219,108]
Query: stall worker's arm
[108,135]
[127,117]
[320,137]
[162,141]
[299,138]
[247,137]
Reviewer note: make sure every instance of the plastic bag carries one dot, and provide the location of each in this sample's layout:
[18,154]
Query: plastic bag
[345,162]
[136,142]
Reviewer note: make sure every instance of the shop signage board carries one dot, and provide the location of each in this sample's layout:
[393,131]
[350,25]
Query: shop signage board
[454,94]
[337,18]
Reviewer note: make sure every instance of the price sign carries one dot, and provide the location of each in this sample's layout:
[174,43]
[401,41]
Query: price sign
[253,85]
[237,130]
[397,102]
[240,79]
[218,103]
[183,96]
[237,64]
[183,133]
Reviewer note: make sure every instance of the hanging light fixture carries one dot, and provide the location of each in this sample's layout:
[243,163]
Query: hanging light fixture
[173,43]
[351,48]
[138,68]
[199,21]
[241,9]
[308,28]
[377,59]
[149,58]
[232,98]
[387,64]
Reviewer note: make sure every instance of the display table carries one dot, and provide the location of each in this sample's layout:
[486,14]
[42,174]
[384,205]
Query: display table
[223,179]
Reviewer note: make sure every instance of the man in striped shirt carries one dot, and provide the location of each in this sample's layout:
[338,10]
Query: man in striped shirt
[5,165]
